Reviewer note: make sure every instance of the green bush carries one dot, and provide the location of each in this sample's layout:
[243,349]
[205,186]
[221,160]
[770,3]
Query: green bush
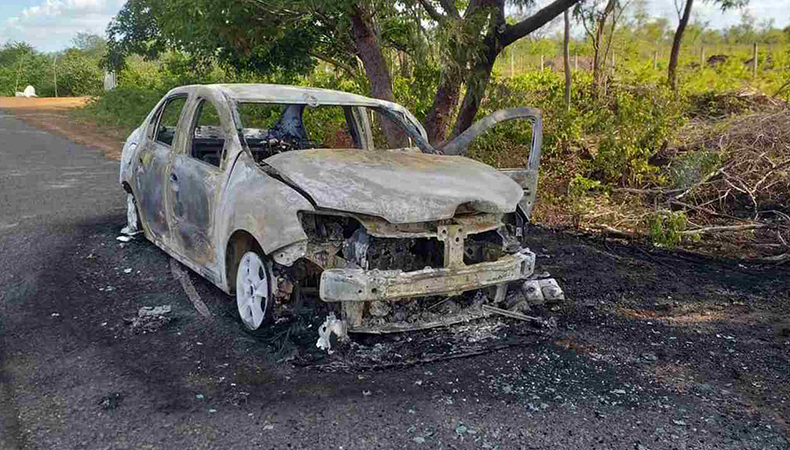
[634,126]
[78,74]
[625,128]
[666,228]
[124,106]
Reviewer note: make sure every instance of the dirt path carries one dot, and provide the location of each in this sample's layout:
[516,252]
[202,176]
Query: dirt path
[57,115]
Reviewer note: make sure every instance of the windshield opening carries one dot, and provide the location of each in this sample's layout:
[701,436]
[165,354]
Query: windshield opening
[271,128]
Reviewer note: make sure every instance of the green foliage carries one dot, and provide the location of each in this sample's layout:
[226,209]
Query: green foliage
[665,228]
[21,65]
[125,106]
[78,74]
[636,124]
[580,200]
[91,45]
[626,128]
[243,35]
[692,168]
[418,91]
[76,68]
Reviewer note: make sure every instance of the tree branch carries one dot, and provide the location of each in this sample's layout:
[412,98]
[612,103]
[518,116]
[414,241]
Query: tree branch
[515,32]
[449,7]
[433,12]
[723,228]
[344,67]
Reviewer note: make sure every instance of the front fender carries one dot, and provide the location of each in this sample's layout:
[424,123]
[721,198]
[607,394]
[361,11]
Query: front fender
[260,205]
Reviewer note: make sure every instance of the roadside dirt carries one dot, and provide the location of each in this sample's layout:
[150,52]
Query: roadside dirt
[58,116]
[654,349]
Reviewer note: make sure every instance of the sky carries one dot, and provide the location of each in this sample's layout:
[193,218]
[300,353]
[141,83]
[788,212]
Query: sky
[50,25]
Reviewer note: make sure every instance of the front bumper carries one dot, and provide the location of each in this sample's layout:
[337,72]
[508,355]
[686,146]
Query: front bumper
[357,285]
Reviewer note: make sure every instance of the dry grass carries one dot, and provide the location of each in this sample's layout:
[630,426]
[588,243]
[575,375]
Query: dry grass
[13,104]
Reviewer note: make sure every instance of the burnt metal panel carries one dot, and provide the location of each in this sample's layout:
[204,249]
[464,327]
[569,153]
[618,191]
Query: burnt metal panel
[400,187]
[192,195]
[260,205]
[149,175]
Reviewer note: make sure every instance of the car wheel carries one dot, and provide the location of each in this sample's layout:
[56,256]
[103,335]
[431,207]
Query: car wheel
[254,298]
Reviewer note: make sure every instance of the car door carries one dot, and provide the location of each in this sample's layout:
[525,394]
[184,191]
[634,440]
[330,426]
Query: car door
[151,166]
[193,181]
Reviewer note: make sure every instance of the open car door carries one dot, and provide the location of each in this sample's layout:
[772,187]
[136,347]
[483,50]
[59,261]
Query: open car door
[527,177]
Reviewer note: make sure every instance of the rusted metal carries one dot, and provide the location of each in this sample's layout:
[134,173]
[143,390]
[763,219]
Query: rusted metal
[357,285]
[453,237]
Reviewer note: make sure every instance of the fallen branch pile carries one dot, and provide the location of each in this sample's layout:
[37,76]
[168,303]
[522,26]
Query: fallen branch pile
[734,178]
[753,178]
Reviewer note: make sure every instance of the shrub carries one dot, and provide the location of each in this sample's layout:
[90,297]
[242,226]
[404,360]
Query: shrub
[666,227]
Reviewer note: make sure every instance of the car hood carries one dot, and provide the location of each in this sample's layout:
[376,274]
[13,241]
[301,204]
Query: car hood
[399,186]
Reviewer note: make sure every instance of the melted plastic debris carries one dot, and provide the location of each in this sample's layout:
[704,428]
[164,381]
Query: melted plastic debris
[331,326]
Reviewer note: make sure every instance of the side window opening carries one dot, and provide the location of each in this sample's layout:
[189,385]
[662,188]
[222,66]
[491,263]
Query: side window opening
[168,120]
[208,137]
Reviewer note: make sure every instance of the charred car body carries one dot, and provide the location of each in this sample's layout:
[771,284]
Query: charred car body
[231,181]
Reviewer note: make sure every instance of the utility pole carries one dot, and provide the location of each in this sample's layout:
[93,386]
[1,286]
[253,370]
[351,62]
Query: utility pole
[566,59]
[55,73]
[18,70]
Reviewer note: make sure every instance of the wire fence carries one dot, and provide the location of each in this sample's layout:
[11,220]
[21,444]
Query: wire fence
[757,57]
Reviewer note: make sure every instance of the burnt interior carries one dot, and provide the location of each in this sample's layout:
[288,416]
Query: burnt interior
[407,254]
[290,133]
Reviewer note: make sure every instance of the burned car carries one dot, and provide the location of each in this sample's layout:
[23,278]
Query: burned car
[268,190]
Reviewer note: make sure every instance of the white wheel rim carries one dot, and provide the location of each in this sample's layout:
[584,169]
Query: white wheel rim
[252,290]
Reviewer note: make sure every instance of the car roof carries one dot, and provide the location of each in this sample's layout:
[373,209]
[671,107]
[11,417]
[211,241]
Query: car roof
[277,93]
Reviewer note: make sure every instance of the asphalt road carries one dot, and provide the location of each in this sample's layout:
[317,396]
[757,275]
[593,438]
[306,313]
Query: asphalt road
[74,374]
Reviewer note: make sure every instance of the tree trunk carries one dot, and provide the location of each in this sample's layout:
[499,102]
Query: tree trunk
[673,56]
[438,118]
[566,57]
[498,37]
[369,51]
[476,85]
[598,63]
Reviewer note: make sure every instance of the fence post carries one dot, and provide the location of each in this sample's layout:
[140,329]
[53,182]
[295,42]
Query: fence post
[655,59]
[576,62]
[754,60]
[512,74]
[541,62]
[702,58]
